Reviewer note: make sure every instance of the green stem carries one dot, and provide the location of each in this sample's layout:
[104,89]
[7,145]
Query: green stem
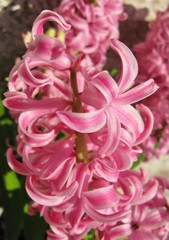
[80,140]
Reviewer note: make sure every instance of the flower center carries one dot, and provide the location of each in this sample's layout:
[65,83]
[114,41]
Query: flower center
[135,226]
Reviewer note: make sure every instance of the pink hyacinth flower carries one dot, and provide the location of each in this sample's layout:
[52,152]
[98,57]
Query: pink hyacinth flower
[156,65]
[93,24]
[114,110]
[82,181]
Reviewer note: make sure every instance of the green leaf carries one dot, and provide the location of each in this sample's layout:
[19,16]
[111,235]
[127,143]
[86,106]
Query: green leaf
[34,227]
[2,109]
[114,72]
[11,199]
[11,181]
[91,235]
[140,159]
[5,121]
[60,136]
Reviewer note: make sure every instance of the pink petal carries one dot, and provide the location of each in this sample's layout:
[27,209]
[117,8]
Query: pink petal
[54,165]
[83,122]
[156,218]
[106,85]
[102,198]
[122,159]
[46,48]
[105,218]
[48,199]
[140,235]
[130,118]
[149,123]
[35,139]
[150,190]
[14,164]
[118,232]
[47,16]
[91,95]
[129,64]
[138,93]
[113,134]
[132,190]
[58,159]
[19,101]
[33,78]
[105,170]
[57,234]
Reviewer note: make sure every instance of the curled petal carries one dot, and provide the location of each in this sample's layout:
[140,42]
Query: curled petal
[122,159]
[132,190]
[106,85]
[46,48]
[90,97]
[26,119]
[54,164]
[142,175]
[34,78]
[47,51]
[48,199]
[83,176]
[82,24]
[129,65]
[139,235]
[118,232]
[58,160]
[106,169]
[156,218]
[138,93]
[19,101]
[149,122]
[14,164]
[105,218]
[56,218]
[64,172]
[113,134]
[83,122]
[47,16]
[150,190]
[102,198]
[131,120]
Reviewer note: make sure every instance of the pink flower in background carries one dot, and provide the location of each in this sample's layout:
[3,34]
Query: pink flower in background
[148,220]
[156,50]
[153,60]
[93,24]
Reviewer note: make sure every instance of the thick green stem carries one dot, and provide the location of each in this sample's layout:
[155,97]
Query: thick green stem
[80,140]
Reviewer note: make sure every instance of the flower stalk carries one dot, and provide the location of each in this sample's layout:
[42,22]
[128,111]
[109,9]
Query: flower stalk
[80,139]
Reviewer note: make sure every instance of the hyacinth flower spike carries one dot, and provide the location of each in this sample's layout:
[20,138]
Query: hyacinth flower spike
[111,105]
[83,180]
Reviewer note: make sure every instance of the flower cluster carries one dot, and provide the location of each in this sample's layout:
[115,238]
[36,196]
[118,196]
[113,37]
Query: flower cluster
[156,66]
[78,136]
[148,220]
[93,23]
